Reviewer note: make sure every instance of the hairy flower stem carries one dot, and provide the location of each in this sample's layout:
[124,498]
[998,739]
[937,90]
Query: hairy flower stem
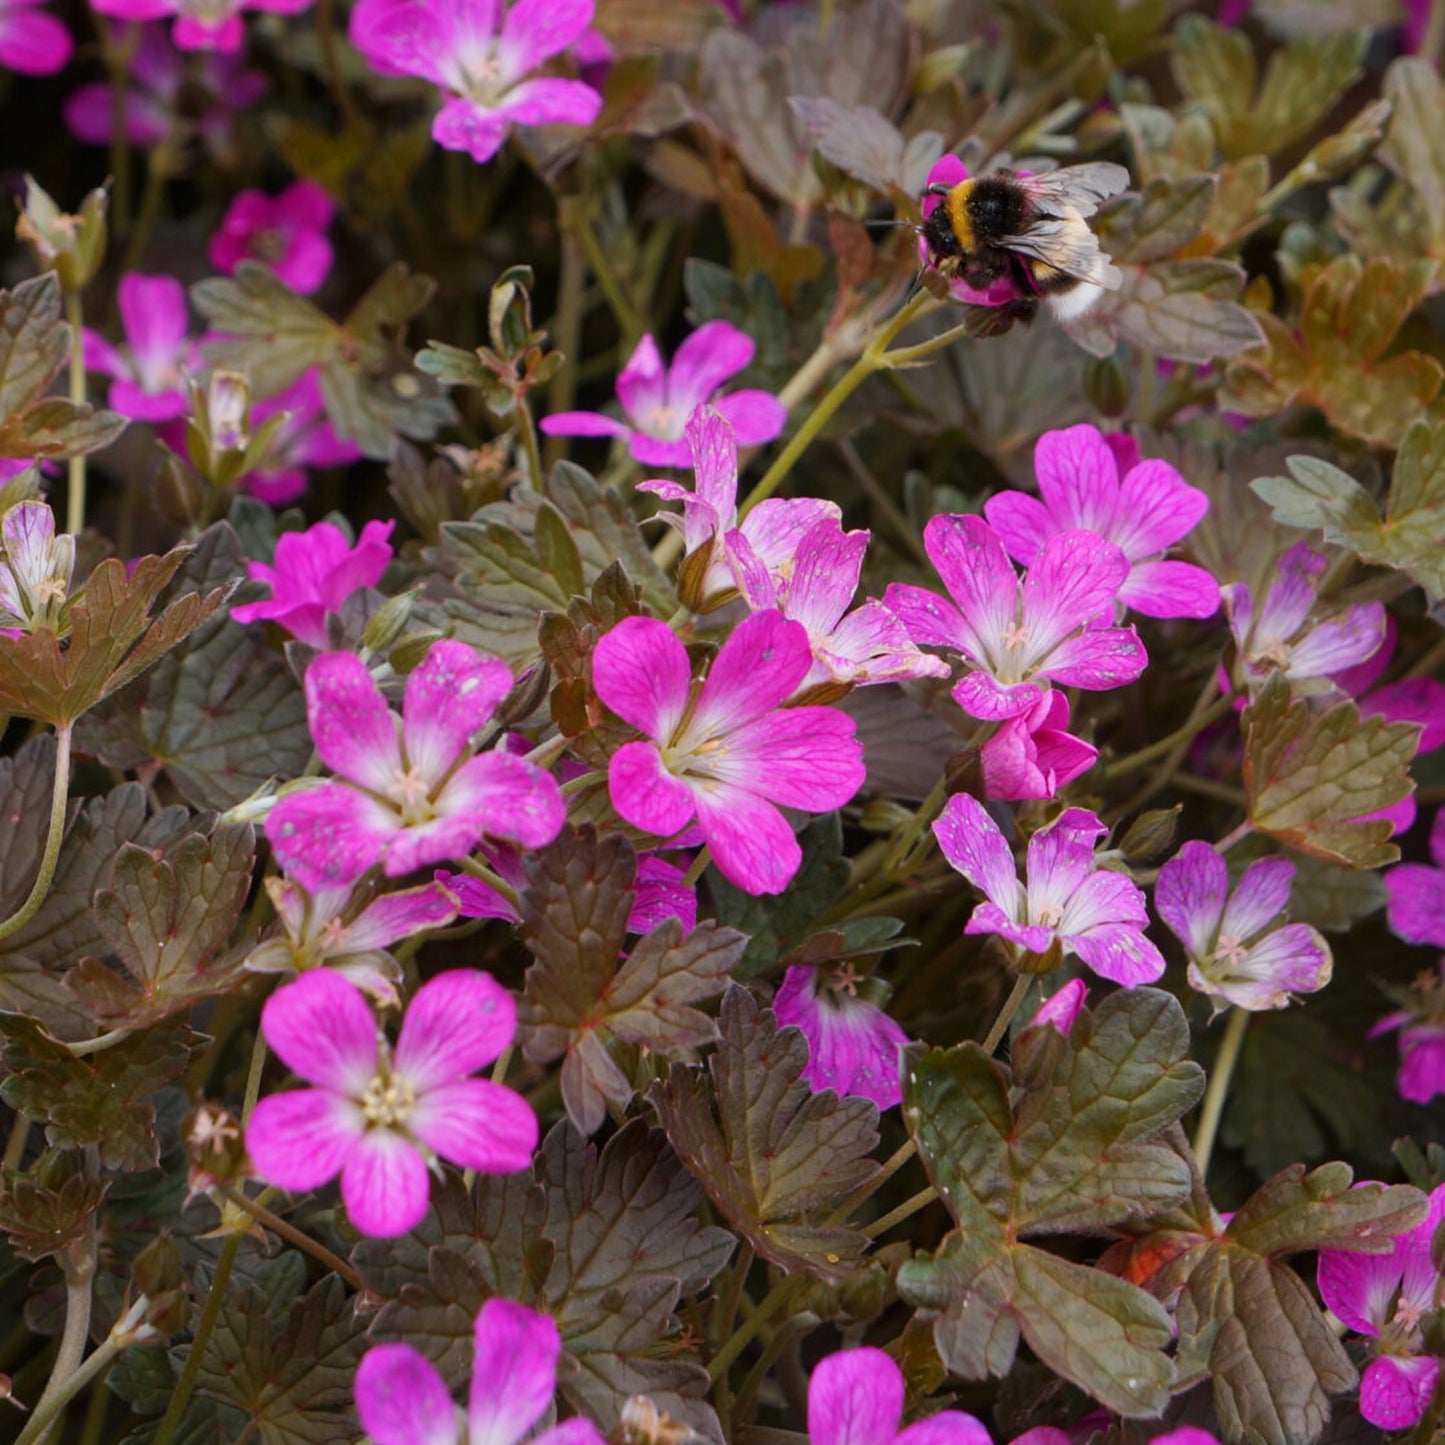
[906,1210]
[1011,1006]
[303,1241]
[75,494]
[50,1407]
[927,811]
[775,1302]
[891,1166]
[875,357]
[200,1341]
[59,800]
[1213,1107]
[699,866]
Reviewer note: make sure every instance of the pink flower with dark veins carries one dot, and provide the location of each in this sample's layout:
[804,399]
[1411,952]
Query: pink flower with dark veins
[769,536]
[168,95]
[484,56]
[1387,1297]
[1241,952]
[1144,514]
[151,370]
[304,439]
[32,42]
[852,1043]
[815,586]
[315,572]
[403,1400]
[658,401]
[728,753]
[1033,755]
[1281,635]
[379,1116]
[287,232]
[200,24]
[409,791]
[1019,636]
[1068,902]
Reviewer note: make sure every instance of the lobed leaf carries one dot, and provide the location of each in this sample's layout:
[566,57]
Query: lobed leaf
[775,1154]
[1311,778]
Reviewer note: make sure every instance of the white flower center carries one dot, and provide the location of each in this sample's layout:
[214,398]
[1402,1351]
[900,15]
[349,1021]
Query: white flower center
[387,1102]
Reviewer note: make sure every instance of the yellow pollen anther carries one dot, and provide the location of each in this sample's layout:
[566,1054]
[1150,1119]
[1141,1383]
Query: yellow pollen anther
[387,1101]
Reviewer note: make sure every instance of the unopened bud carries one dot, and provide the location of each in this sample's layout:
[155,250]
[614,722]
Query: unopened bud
[70,245]
[1151,834]
[385,625]
[1106,384]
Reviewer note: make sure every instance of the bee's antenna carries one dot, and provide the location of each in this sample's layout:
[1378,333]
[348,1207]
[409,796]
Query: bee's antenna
[887,225]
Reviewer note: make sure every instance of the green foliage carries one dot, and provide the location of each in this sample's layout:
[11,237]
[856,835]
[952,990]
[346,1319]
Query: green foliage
[775,1157]
[582,993]
[1246,1319]
[1410,534]
[1311,777]
[1068,1143]
[276,336]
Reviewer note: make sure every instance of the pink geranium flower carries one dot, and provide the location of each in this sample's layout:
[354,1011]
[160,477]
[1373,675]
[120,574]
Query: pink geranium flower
[327,929]
[403,1400]
[37,569]
[1422,1039]
[1240,951]
[378,1117]
[659,401]
[32,42]
[168,95]
[1280,634]
[1062,1007]
[1387,1297]
[151,370]
[315,572]
[1067,902]
[287,232]
[1033,755]
[1145,514]
[852,1043]
[1020,636]
[768,537]
[304,439]
[409,791]
[815,586]
[200,24]
[729,756]
[484,54]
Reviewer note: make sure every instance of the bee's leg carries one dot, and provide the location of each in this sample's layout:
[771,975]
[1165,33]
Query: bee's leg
[1022,308]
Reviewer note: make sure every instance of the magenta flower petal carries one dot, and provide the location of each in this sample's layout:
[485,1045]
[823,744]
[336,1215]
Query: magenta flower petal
[450,696]
[972,843]
[1342,642]
[1170,589]
[505,797]
[321,1028]
[153,314]
[329,836]
[757,668]
[1190,895]
[1073,581]
[641,671]
[478,1125]
[1396,1391]
[707,358]
[982,696]
[533,31]
[974,567]
[756,416]
[576,1431]
[1120,953]
[1416,699]
[1022,522]
[583,424]
[804,757]
[855,1397]
[947,1427]
[402,1400]
[1156,508]
[659,452]
[929,619]
[354,730]
[1061,1011]
[463,125]
[1098,659]
[402,37]
[1416,908]
[1259,897]
[642,383]
[458,1022]
[853,1045]
[32,43]
[1422,1063]
[396,915]
[659,894]
[752,843]
[514,1372]
[385,1185]
[645,793]
[1078,478]
[300,1140]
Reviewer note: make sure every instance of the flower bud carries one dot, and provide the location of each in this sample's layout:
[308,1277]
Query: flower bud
[71,246]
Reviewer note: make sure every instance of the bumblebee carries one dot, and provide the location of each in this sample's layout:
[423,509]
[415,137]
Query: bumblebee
[1029,230]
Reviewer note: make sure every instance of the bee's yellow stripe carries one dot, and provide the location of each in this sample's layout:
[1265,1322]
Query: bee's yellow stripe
[956,204]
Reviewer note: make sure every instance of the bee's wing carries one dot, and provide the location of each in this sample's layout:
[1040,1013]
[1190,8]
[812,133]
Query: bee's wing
[1068,246]
[1079,187]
